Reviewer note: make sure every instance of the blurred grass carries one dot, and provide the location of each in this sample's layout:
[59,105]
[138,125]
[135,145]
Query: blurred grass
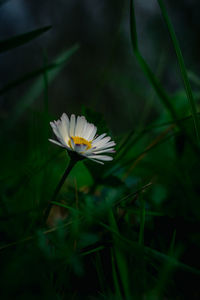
[39,85]
[182,69]
[125,230]
[22,39]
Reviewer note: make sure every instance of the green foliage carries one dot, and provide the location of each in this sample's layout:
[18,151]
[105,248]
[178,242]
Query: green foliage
[126,230]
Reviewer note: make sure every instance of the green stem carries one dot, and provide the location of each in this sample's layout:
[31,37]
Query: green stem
[73,160]
[183,70]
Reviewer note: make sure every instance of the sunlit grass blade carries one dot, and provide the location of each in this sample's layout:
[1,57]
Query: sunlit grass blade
[22,39]
[182,68]
[146,69]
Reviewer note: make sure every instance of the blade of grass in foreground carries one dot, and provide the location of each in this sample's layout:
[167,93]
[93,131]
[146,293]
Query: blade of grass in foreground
[142,220]
[22,39]
[153,254]
[120,259]
[100,271]
[115,277]
[182,69]
[167,269]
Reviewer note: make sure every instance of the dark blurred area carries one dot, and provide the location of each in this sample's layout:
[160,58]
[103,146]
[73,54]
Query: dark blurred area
[103,74]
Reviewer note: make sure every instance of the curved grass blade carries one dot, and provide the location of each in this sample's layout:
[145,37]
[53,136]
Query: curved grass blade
[21,39]
[152,253]
[146,69]
[182,69]
[161,257]
[142,220]
[115,277]
[27,76]
[32,237]
[120,258]
[37,88]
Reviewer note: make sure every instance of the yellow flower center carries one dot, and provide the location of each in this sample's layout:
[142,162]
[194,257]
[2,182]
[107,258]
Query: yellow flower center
[80,141]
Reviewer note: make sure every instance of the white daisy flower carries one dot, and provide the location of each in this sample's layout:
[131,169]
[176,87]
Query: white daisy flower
[78,135]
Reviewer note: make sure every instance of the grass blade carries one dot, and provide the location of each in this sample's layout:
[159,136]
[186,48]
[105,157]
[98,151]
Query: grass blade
[22,39]
[27,76]
[142,220]
[38,87]
[146,69]
[152,253]
[115,277]
[120,259]
[182,68]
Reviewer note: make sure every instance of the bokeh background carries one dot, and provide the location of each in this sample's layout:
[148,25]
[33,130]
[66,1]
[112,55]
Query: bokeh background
[128,229]
[103,74]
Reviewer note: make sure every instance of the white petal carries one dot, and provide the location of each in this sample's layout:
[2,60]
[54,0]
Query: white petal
[65,121]
[105,146]
[99,162]
[84,128]
[94,150]
[101,157]
[63,129]
[72,125]
[57,132]
[110,150]
[57,143]
[78,126]
[99,138]
[92,134]
[72,143]
[88,131]
[101,142]
[82,125]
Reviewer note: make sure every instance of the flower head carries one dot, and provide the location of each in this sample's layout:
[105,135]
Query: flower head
[76,134]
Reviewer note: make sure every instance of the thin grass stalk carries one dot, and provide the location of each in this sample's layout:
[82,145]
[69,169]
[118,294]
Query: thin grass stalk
[146,69]
[182,67]
[72,163]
